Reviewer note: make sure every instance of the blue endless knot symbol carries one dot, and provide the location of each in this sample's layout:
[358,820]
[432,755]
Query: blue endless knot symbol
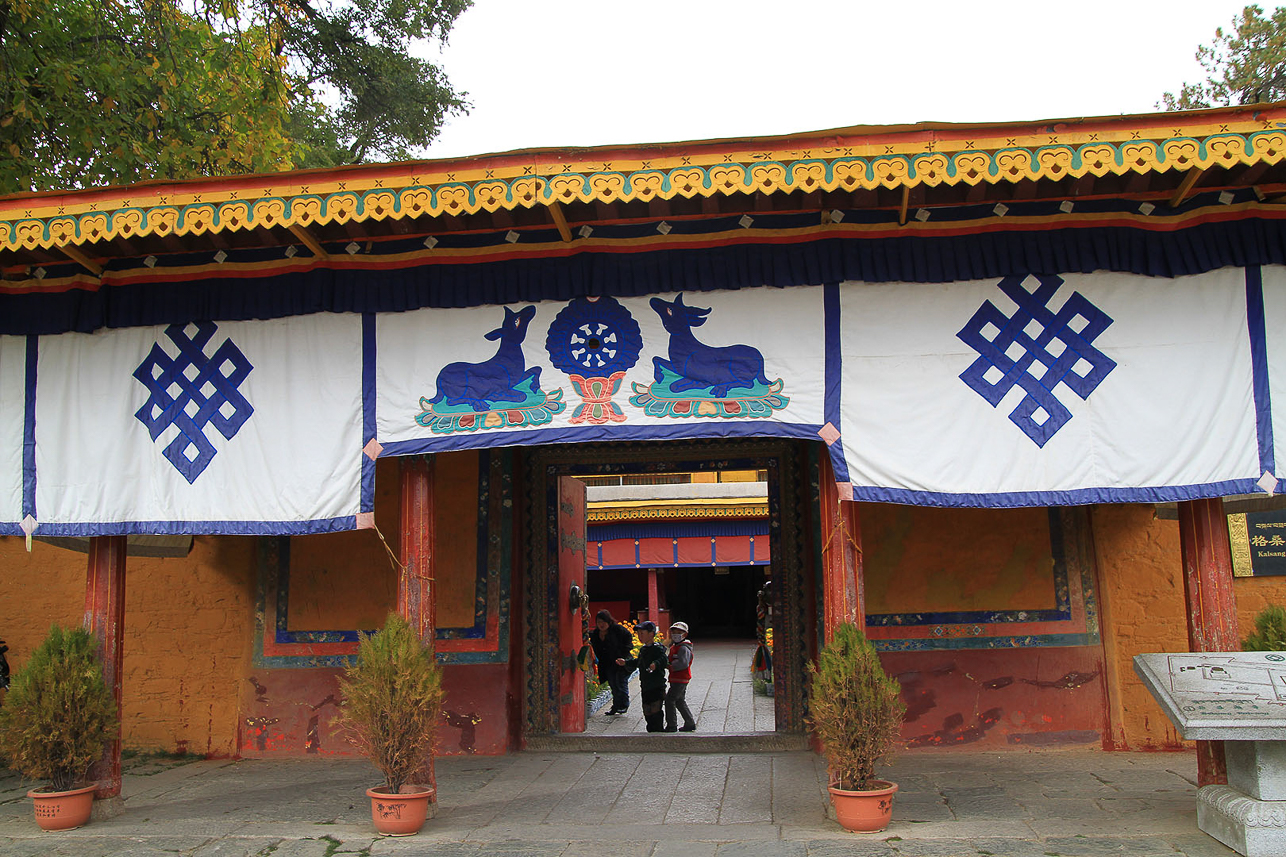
[1036,349]
[192,390]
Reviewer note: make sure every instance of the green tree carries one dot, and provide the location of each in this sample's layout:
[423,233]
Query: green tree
[58,715]
[1244,65]
[392,699]
[96,92]
[1270,631]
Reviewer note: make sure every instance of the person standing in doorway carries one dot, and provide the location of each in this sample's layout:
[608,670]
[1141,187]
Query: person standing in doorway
[676,698]
[611,641]
[650,663]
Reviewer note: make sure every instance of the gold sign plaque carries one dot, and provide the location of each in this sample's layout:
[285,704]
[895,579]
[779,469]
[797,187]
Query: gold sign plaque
[1240,539]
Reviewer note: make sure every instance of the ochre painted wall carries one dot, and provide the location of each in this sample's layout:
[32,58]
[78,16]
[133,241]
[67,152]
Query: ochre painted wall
[455,535]
[929,566]
[189,626]
[345,582]
[188,623]
[1142,602]
[39,589]
[920,559]
[341,580]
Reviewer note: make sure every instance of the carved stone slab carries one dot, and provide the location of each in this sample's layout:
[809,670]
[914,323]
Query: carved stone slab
[1256,828]
[1220,696]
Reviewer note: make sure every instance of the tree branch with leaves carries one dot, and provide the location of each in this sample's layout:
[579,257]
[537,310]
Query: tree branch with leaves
[1245,64]
[96,92]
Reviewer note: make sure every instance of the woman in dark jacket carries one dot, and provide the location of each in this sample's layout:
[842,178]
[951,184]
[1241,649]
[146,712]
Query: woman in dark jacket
[612,641]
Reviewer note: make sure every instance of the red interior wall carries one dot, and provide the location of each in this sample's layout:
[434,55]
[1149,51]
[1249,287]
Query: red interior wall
[1001,697]
[293,712]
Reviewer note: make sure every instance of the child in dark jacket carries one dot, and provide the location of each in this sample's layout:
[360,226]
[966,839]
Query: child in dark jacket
[651,664]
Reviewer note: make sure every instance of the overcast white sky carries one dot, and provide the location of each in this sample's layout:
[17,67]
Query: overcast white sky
[591,72]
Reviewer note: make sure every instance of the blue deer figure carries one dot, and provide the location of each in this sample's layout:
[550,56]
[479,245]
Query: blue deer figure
[698,365]
[498,379]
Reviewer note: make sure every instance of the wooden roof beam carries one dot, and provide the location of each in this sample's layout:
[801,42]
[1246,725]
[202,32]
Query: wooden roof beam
[1026,190]
[358,231]
[976,193]
[306,238]
[556,212]
[1252,174]
[81,259]
[1189,182]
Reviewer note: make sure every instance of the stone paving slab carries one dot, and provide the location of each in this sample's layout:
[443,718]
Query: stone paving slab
[1097,846]
[756,849]
[995,847]
[680,848]
[988,802]
[301,848]
[934,848]
[852,847]
[597,849]
[234,847]
[407,846]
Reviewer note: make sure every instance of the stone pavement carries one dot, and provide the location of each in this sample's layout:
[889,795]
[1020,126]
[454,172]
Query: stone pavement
[958,803]
[721,695]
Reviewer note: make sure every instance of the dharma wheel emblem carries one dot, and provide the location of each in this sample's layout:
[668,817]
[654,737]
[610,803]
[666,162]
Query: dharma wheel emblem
[595,341]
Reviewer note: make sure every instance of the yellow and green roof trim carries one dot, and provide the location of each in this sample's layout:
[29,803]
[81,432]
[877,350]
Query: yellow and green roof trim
[849,159]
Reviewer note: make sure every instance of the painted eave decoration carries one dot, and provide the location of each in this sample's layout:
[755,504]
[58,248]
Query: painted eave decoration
[929,155]
[738,508]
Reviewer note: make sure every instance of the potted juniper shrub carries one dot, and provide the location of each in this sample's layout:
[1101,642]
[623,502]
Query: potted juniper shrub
[392,697]
[856,711]
[1270,631]
[57,718]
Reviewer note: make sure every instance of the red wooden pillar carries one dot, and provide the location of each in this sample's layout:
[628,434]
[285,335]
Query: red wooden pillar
[105,619]
[653,598]
[1212,607]
[843,599]
[416,596]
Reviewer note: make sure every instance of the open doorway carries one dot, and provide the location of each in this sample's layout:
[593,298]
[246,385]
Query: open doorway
[731,691]
[686,532]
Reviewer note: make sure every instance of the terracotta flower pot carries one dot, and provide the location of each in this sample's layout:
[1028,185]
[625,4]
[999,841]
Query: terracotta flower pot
[62,810]
[399,814]
[864,811]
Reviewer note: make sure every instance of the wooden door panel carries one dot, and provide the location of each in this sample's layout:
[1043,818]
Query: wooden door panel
[571,572]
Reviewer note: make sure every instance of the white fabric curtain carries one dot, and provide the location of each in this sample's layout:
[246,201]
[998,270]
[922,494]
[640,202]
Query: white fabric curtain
[1036,390]
[444,353]
[1157,393]
[271,441]
[13,367]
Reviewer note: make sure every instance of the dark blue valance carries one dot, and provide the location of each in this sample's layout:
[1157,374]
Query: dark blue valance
[740,258]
